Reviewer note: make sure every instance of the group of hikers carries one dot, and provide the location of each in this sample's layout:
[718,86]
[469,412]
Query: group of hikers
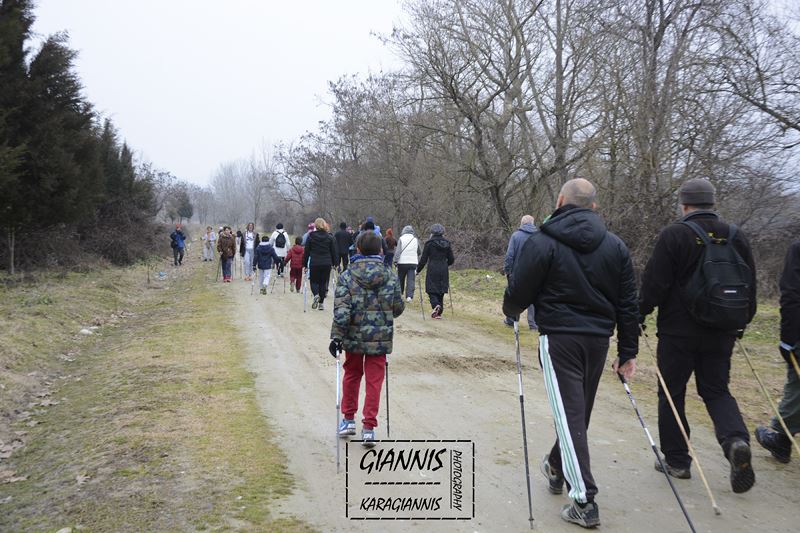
[318,252]
[576,281]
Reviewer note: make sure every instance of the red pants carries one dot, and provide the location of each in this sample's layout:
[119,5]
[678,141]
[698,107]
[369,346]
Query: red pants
[296,277]
[373,367]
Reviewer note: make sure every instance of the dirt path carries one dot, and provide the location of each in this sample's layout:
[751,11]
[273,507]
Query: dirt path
[449,381]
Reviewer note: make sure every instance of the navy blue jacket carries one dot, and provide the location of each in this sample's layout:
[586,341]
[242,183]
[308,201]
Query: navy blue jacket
[515,244]
[264,256]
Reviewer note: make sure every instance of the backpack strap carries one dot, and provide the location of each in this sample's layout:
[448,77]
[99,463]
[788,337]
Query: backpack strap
[698,230]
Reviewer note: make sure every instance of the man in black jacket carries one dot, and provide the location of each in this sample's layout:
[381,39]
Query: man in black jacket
[685,346]
[580,278]
[774,439]
[343,242]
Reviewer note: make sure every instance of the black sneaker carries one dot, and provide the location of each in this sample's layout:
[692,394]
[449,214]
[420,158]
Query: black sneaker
[775,443]
[742,475]
[555,479]
[587,515]
[674,471]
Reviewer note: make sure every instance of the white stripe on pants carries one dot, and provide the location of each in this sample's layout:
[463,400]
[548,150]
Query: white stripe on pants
[569,459]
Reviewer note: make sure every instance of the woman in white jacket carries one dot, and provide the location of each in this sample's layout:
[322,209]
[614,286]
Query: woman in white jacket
[406,257]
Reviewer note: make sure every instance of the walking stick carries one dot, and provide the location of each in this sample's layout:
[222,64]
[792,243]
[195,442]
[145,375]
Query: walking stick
[769,399]
[219,267]
[655,450]
[524,430]
[305,290]
[338,405]
[274,281]
[388,427]
[419,290]
[450,294]
[794,362]
[680,424]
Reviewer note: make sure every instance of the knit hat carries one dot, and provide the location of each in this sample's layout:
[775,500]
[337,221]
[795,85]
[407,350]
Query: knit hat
[697,191]
[437,229]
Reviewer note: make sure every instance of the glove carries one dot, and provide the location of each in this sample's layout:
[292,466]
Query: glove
[786,350]
[335,347]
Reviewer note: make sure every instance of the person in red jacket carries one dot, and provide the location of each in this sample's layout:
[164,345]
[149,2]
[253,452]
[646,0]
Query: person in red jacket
[294,258]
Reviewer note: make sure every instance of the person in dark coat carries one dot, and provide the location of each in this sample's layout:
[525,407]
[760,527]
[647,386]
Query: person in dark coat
[580,277]
[773,437]
[344,240]
[320,254]
[685,346]
[178,243]
[515,243]
[438,252]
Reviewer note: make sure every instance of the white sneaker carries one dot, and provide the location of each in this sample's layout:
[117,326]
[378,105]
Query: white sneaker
[409,299]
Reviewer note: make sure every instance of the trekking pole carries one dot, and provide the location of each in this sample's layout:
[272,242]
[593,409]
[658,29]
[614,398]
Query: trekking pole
[419,290]
[219,267]
[388,427]
[338,405]
[524,430]
[794,362]
[680,424]
[766,394]
[305,290]
[655,450]
[274,281]
[450,294]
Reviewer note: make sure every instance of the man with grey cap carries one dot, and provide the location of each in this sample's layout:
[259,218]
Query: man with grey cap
[687,342]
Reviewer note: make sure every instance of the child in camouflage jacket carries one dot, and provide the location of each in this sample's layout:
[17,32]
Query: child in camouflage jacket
[366,301]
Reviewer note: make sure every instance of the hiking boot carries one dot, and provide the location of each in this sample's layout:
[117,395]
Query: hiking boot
[436,311]
[409,299]
[368,436]
[742,475]
[346,427]
[291,288]
[321,306]
[587,515]
[315,303]
[509,323]
[674,471]
[778,444]
[555,479]
[263,290]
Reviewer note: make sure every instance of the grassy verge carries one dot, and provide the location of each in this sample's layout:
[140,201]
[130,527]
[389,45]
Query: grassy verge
[151,423]
[478,297]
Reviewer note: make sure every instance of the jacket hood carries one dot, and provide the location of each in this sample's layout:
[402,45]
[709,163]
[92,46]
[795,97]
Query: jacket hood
[369,272]
[319,235]
[580,228]
[439,242]
[264,244]
[407,230]
[528,228]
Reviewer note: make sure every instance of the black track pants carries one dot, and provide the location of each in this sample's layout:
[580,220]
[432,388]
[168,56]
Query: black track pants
[572,366]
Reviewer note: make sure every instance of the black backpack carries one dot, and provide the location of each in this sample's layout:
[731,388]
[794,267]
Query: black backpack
[280,240]
[717,294]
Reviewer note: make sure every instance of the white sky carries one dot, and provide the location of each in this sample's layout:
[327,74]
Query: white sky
[194,83]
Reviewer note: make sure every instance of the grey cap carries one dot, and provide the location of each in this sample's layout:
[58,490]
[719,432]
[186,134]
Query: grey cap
[437,229]
[697,191]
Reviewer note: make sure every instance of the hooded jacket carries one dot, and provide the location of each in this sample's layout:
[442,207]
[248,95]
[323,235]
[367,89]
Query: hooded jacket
[264,255]
[675,257]
[295,256]
[366,302]
[515,243]
[178,239]
[321,249]
[408,249]
[579,276]
[273,240]
[438,255]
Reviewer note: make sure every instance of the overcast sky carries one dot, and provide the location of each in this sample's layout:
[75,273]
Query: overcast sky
[194,83]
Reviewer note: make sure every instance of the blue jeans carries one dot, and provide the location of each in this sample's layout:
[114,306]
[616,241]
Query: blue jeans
[226,267]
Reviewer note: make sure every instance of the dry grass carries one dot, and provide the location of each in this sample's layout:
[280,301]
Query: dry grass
[157,425]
